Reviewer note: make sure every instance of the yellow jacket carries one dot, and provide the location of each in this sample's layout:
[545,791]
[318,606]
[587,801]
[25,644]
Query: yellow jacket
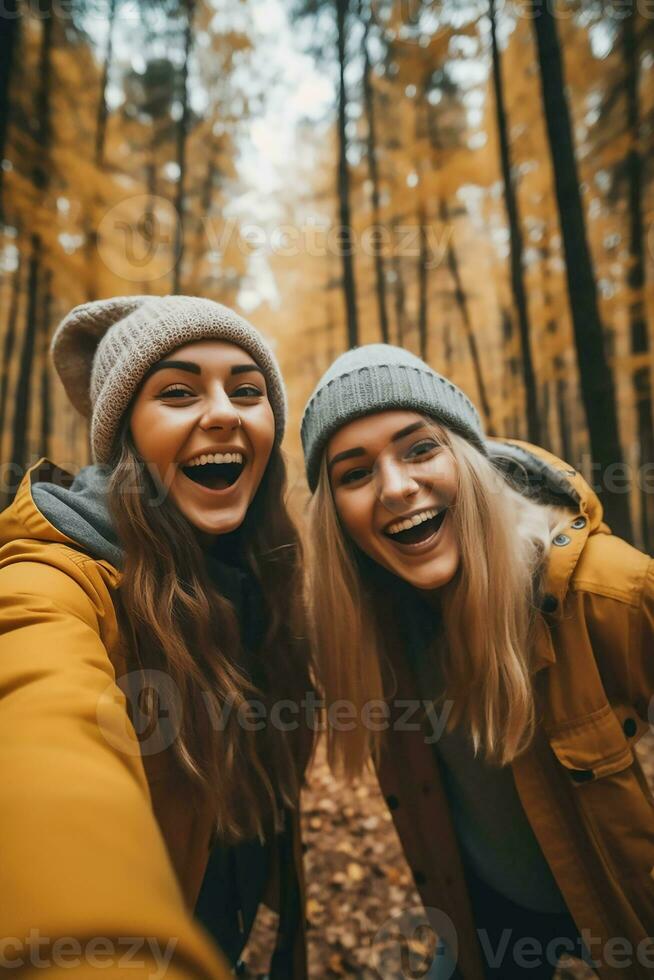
[85,876]
[580,782]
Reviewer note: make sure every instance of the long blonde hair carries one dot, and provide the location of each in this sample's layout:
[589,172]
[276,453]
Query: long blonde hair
[487,612]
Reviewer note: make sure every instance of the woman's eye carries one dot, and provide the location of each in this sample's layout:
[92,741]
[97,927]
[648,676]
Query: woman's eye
[174,391]
[422,449]
[352,476]
[247,391]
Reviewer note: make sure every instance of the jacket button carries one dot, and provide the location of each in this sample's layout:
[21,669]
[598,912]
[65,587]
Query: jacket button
[419,878]
[561,540]
[392,802]
[629,727]
[549,604]
[578,523]
[581,775]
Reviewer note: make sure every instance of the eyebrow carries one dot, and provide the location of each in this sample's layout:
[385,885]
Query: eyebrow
[360,451]
[174,365]
[407,430]
[194,368]
[244,368]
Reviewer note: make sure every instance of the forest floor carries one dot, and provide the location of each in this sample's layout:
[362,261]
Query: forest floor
[360,893]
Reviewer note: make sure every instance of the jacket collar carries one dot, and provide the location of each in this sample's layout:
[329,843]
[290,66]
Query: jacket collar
[23,518]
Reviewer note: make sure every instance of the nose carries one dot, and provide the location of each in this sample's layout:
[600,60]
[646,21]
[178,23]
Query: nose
[220,412]
[394,484]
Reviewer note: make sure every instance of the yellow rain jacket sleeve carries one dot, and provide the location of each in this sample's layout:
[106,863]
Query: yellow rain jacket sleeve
[86,885]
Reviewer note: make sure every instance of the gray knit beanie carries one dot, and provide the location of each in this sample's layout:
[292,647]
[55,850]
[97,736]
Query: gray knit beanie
[102,351]
[372,379]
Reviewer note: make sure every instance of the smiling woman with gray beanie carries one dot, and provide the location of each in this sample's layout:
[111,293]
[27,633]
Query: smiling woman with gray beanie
[143,603]
[493,642]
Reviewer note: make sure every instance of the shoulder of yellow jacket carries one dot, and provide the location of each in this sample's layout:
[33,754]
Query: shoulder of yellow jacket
[57,571]
[611,567]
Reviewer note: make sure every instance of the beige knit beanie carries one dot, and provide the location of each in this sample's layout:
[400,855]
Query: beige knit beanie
[102,350]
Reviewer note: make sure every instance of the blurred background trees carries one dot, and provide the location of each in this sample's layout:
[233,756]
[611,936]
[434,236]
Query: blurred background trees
[459,178]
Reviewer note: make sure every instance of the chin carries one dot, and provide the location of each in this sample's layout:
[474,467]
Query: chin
[223,526]
[429,581]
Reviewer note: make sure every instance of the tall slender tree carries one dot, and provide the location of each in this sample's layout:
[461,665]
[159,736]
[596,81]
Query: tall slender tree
[516,252]
[9,36]
[597,385]
[102,115]
[46,396]
[423,293]
[451,258]
[638,328]
[342,8]
[181,145]
[373,173]
[40,178]
[471,339]
[9,343]
[399,292]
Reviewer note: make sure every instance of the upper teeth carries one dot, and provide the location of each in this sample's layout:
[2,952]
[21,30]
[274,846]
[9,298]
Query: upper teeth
[215,458]
[424,515]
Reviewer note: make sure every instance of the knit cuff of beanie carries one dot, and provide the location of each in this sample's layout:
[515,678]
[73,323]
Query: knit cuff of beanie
[103,350]
[376,378]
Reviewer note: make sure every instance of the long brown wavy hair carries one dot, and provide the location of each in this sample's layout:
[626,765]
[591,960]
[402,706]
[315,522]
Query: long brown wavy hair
[174,620]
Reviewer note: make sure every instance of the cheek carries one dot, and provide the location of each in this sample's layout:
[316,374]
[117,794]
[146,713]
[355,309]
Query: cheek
[261,431]
[155,438]
[355,513]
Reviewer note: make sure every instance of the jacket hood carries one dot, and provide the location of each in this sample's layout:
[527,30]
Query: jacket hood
[543,477]
[52,505]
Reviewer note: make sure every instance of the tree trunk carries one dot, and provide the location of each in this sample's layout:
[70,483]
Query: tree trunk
[460,298]
[102,115]
[640,346]
[91,248]
[9,36]
[373,172]
[562,410]
[448,353]
[206,197]
[46,407]
[182,137]
[40,177]
[597,387]
[399,293]
[22,410]
[517,249]
[9,343]
[423,258]
[459,293]
[343,182]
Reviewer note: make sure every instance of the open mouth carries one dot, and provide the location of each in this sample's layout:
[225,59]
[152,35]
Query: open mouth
[215,476]
[427,524]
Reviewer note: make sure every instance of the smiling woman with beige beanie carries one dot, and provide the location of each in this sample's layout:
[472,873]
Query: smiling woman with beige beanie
[147,628]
